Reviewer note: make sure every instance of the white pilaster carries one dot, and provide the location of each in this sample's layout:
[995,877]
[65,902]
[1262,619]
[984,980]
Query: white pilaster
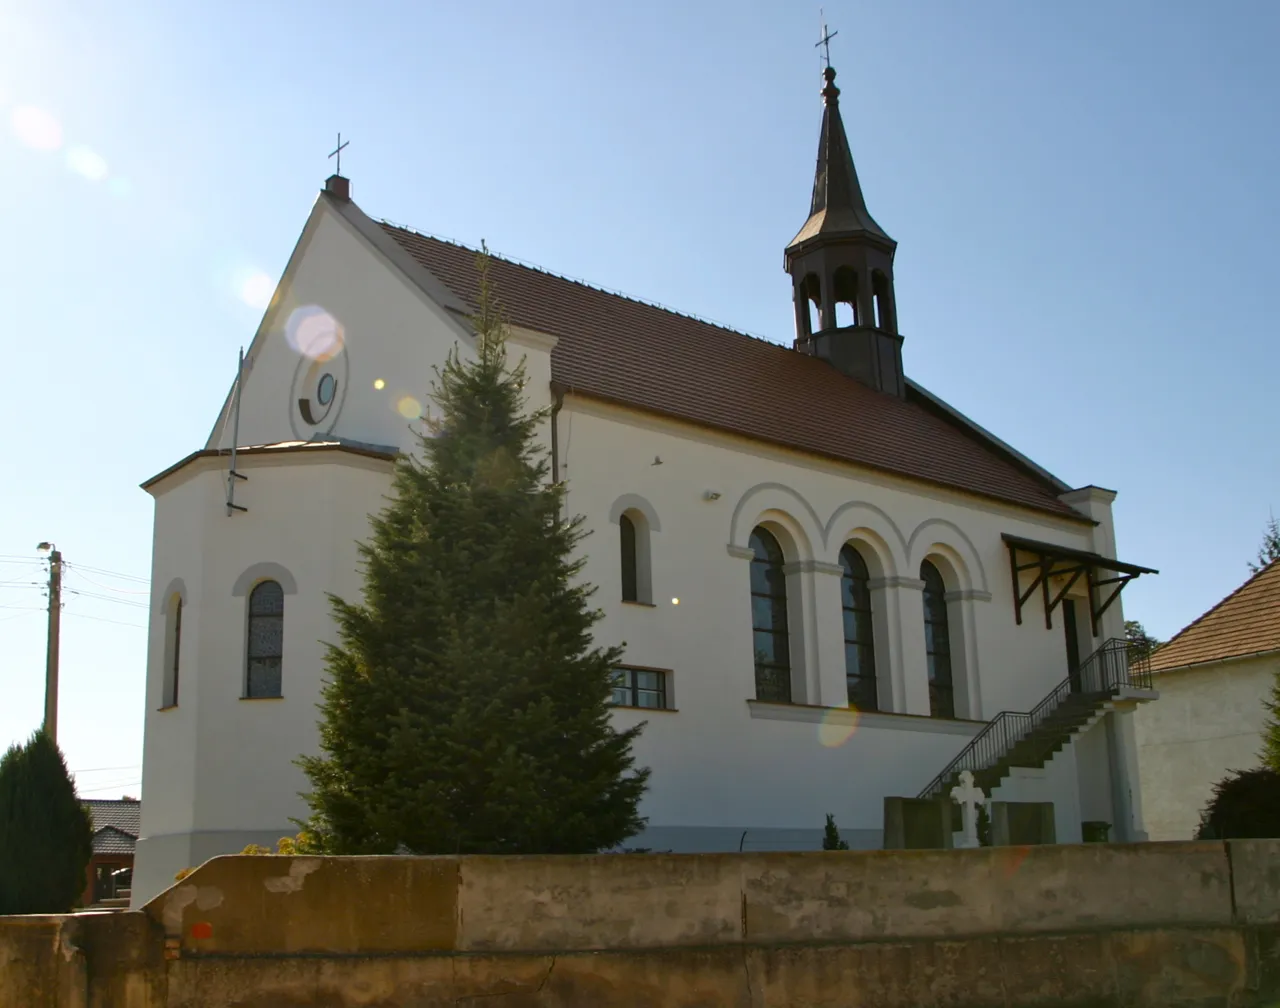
[1126,789]
[898,605]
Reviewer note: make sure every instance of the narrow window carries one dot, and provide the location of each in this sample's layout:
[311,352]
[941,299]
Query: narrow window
[859,646]
[769,619]
[937,637]
[173,653]
[266,640]
[630,582]
[640,688]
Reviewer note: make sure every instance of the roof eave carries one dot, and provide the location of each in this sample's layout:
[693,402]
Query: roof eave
[1069,515]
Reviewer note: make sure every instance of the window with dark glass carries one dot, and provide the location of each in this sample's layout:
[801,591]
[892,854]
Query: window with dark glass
[859,647]
[174,653]
[640,688]
[937,639]
[266,640]
[769,619]
[630,580]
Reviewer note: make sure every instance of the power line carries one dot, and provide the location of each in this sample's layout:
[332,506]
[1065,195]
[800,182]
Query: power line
[103,619]
[95,769]
[77,570]
[5,619]
[108,598]
[109,787]
[114,574]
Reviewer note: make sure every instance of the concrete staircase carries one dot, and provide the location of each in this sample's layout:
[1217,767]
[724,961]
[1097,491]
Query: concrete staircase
[1117,674]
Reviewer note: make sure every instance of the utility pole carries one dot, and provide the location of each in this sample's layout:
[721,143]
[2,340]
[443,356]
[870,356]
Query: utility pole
[51,655]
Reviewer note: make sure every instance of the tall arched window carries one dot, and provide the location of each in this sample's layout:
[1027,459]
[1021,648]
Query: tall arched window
[769,619]
[859,647]
[937,638]
[172,651]
[265,648]
[627,534]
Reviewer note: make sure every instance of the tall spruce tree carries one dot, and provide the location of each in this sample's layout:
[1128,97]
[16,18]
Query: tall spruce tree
[1270,548]
[466,708]
[45,831]
[1271,731]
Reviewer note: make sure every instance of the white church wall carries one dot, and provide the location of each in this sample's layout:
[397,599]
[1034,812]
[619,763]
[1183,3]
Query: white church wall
[1207,722]
[218,769]
[169,751]
[698,557]
[1056,781]
[1093,771]
[390,334]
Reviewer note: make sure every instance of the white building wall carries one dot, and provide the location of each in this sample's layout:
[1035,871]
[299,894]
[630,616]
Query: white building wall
[1207,722]
[697,557]
[219,769]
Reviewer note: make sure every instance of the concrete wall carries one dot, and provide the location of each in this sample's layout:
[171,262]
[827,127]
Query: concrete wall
[1207,722]
[1099,924]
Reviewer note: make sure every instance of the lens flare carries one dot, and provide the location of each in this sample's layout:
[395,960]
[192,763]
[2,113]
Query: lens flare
[379,384]
[837,726]
[37,128]
[314,333]
[87,163]
[409,407]
[256,291]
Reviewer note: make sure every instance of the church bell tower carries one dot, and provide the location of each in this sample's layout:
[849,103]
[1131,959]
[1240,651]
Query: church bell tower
[841,266]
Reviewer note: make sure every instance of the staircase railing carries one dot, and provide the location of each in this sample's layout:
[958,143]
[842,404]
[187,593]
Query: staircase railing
[1114,666]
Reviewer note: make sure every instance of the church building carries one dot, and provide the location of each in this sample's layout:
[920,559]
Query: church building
[836,591]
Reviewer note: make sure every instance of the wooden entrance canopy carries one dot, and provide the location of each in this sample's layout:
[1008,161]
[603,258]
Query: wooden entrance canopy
[1104,576]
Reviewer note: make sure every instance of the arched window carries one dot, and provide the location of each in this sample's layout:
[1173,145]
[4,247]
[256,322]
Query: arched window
[266,640]
[859,647]
[172,651]
[627,533]
[769,619]
[937,638]
[634,544]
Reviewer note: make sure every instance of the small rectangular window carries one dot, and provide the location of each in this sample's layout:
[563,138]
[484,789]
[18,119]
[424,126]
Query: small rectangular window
[633,687]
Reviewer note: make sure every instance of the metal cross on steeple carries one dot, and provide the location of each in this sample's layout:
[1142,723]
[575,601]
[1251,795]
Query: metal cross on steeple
[825,41]
[338,154]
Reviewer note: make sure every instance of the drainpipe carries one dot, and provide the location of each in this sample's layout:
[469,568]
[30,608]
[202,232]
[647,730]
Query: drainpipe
[557,401]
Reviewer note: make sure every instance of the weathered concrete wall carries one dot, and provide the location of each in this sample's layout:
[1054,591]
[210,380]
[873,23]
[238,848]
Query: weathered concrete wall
[497,904]
[1149,926]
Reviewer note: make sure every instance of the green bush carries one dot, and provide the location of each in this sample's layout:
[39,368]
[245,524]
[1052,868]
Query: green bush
[1246,804]
[45,832]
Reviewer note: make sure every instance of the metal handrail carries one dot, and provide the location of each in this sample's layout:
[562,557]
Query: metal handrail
[1115,665]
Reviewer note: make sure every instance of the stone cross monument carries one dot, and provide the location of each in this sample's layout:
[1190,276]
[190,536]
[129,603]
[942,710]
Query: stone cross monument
[968,796]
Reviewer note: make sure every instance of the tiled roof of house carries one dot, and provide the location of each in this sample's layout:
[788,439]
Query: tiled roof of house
[649,358]
[110,840]
[116,824]
[1245,622]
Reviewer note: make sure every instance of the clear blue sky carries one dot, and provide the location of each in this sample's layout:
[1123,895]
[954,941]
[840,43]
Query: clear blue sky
[1083,194]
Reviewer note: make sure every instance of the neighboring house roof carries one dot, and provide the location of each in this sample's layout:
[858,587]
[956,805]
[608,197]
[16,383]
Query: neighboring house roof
[116,824]
[110,840]
[616,349]
[1246,622]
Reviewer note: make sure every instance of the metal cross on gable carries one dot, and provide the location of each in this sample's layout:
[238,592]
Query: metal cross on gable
[825,41]
[338,154]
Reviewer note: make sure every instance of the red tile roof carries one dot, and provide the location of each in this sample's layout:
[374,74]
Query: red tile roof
[1245,622]
[638,355]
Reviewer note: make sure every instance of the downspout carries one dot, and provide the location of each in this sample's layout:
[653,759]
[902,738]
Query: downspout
[557,401]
